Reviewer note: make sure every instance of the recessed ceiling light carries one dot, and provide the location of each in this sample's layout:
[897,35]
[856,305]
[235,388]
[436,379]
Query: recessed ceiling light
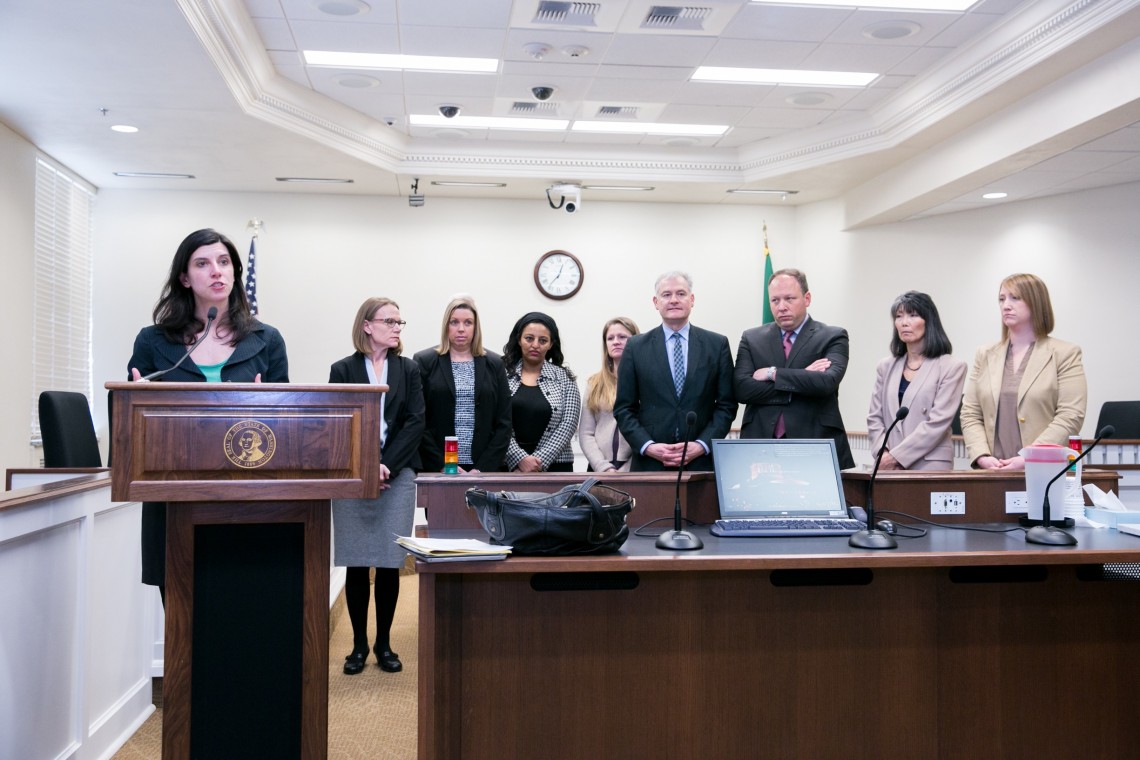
[994,196]
[486,122]
[153,175]
[469,184]
[915,5]
[396,61]
[631,188]
[342,7]
[356,81]
[783,76]
[124,128]
[891,30]
[745,191]
[807,99]
[646,128]
[317,180]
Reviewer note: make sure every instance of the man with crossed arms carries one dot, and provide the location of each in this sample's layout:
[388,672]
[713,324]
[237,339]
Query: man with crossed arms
[788,371]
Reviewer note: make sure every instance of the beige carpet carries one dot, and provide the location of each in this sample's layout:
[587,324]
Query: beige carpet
[371,715]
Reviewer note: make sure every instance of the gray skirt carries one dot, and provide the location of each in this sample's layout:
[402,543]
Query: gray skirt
[364,529]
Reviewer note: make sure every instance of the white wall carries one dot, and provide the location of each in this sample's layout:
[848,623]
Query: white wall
[321,255]
[17,219]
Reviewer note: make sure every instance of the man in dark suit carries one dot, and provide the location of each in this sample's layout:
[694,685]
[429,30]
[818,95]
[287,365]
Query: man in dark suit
[788,372]
[666,373]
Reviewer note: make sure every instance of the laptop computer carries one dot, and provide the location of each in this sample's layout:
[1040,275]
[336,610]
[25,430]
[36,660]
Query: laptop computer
[786,487]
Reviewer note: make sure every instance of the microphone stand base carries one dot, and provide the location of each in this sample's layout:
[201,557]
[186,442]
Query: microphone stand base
[872,539]
[1049,536]
[681,540]
[1027,522]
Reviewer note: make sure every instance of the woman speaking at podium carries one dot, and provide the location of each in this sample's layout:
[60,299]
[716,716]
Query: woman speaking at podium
[203,331]
[1027,388]
[921,375]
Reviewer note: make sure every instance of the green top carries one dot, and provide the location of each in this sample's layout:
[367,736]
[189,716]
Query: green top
[213,372]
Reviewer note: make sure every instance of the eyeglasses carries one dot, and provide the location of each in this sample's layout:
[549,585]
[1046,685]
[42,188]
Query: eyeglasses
[392,322]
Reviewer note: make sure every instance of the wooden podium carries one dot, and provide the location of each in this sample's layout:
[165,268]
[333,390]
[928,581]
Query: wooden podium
[247,471]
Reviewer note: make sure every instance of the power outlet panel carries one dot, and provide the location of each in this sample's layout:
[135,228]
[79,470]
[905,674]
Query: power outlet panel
[1016,503]
[948,503]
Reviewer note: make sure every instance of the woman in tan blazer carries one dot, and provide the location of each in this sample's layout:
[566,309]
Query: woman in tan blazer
[604,447]
[921,375]
[1026,389]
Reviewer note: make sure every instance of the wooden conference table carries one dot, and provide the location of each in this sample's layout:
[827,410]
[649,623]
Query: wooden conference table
[959,644]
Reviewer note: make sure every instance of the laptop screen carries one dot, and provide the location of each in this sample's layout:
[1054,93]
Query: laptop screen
[775,478]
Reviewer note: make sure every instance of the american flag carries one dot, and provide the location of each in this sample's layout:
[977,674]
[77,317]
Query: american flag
[251,276]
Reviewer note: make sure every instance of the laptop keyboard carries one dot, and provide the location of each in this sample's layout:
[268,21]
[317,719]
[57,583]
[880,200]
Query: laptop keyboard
[781,526]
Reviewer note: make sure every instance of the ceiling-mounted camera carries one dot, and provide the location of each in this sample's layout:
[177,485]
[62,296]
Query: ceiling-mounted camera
[569,197]
[415,199]
[542,92]
[449,112]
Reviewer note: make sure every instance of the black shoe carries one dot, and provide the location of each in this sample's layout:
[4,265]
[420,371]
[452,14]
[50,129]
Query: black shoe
[354,663]
[388,661]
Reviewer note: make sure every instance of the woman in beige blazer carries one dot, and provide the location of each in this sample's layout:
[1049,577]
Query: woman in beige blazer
[921,375]
[1026,389]
[604,447]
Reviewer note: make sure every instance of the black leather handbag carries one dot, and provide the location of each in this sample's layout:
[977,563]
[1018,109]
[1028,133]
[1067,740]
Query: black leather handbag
[587,518]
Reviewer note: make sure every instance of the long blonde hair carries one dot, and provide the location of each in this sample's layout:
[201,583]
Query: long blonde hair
[601,388]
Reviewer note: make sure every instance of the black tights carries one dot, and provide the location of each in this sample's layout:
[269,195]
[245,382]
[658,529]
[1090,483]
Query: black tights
[356,597]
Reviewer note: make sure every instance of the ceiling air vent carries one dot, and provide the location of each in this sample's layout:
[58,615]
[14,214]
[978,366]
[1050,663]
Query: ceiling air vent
[617,112]
[567,14]
[525,107]
[688,17]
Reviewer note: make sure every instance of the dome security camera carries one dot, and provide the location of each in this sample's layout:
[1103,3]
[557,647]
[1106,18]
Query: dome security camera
[542,92]
[570,197]
[449,112]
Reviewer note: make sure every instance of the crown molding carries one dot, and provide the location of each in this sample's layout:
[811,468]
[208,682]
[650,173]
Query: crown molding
[954,91]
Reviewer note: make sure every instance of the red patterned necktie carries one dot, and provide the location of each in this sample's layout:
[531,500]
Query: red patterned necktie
[781,431]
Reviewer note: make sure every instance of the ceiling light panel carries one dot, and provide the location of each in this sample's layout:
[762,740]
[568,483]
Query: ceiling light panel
[397,61]
[623,127]
[725,74]
[486,122]
[958,6]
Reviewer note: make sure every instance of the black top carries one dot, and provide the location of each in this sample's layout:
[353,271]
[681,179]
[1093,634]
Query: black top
[492,431]
[403,406]
[530,413]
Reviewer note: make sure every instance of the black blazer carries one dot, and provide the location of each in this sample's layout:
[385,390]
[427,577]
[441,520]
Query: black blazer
[403,406]
[647,408]
[261,352]
[492,431]
[809,401]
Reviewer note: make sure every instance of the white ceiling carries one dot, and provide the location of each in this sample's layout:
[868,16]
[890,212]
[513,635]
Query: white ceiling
[1033,98]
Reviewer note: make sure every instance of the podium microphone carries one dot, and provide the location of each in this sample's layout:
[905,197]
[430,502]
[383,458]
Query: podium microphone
[677,538]
[871,537]
[1051,535]
[211,315]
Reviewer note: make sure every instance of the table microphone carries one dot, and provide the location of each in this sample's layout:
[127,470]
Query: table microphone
[211,315]
[677,538]
[1051,535]
[871,537]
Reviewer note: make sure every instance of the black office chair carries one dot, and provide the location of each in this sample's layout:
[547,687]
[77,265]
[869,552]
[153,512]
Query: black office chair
[956,424]
[1122,415]
[68,431]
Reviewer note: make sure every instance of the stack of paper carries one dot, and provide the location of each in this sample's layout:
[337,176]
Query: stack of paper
[451,549]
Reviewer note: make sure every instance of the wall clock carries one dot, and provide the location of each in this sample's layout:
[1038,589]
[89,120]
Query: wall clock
[558,275]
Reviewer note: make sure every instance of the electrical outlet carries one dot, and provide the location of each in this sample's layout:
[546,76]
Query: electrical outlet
[1016,502]
[948,503]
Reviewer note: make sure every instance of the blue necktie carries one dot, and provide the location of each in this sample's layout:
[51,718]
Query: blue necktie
[678,364]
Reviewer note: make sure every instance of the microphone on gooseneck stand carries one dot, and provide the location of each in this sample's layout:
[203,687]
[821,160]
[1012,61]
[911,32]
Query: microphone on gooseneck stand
[211,315]
[871,537]
[1048,534]
[677,538]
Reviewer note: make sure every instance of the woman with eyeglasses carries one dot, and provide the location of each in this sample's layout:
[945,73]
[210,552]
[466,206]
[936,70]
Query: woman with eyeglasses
[545,402]
[363,528]
[465,394]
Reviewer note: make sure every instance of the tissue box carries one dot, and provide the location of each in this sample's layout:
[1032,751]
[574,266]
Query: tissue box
[1111,517]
